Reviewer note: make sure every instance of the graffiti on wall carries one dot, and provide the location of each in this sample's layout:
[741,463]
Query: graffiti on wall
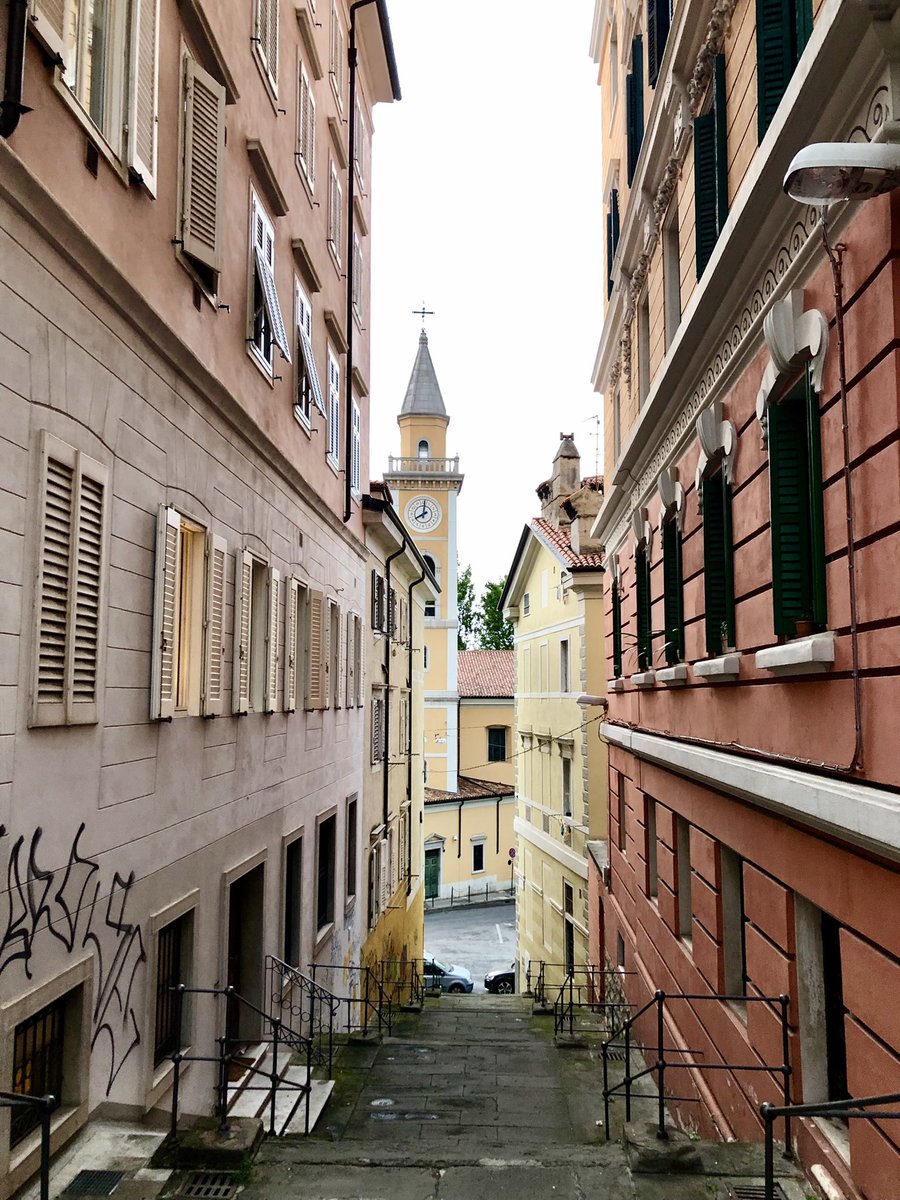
[67,904]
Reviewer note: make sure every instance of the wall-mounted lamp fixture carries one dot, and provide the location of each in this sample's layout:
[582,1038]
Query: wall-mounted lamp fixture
[829,171]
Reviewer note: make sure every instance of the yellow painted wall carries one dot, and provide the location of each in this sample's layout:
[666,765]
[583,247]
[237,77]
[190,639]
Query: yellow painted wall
[478,820]
[414,428]
[475,718]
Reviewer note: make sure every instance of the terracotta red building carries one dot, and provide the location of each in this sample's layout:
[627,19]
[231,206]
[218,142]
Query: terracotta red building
[752,566]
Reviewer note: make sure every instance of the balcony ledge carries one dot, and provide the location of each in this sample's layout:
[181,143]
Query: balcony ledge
[615,685]
[728,666]
[802,656]
[674,676]
[644,679]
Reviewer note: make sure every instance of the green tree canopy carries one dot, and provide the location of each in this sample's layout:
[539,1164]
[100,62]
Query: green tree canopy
[481,624]
[496,631]
[467,608]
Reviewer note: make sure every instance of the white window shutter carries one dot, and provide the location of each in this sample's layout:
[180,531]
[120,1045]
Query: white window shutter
[143,119]
[315,673]
[358,653]
[270,49]
[356,451]
[328,682]
[243,586]
[53,605]
[165,616]
[204,157]
[48,22]
[291,613]
[86,678]
[349,662]
[213,697]
[272,631]
[334,409]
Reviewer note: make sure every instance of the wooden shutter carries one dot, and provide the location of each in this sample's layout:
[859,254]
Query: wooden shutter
[658,23]
[775,56]
[48,22]
[291,614]
[273,629]
[705,188]
[718,574]
[316,677]
[617,631]
[327,642]
[213,698]
[334,409]
[720,111]
[609,255]
[356,449]
[267,37]
[203,167]
[306,135]
[243,598]
[143,118]
[634,105]
[673,593]
[164,677]
[642,572]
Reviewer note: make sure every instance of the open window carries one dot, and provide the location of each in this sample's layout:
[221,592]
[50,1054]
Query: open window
[256,635]
[308,390]
[266,321]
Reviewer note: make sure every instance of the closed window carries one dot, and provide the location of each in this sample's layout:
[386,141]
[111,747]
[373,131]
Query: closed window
[634,106]
[352,836]
[293,901]
[188,614]
[296,640]
[359,142]
[265,39]
[325,872]
[357,277]
[718,563]
[612,237]
[200,180]
[672,272]
[266,321]
[566,787]
[379,605]
[477,857]
[39,1060]
[659,19]
[356,449]
[336,57]
[564,682]
[306,129]
[711,169]
[526,604]
[378,743]
[257,607]
[70,604]
[616,629]
[673,591]
[318,638]
[497,744]
[335,214]
[174,952]
[642,584]
[424,450]
[308,390]
[334,410]
[783,27]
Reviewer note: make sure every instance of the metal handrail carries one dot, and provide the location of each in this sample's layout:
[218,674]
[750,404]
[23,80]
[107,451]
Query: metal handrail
[380,1008]
[404,980]
[660,1066]
[46,1104]
[317,1009]
[852,1108]
[590,995]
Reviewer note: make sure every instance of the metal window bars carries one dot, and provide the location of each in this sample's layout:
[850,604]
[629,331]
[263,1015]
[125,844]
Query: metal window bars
[43,1106]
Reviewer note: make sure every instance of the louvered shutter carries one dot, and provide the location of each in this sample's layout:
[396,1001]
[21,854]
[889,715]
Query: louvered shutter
[673,594]
[143,116]
[213,698]
[327,647]
[349,675]
[609,254]
[273,629]
[642,574]
[658,23]
[617,631]
[705,188]
[164,678]
[243,597]
[356,449]
[718,586]
[615,219]
[307,132]
[291,614]
[315,657]
[634,105]
[48,19]
[721,141]
[775,56]
[271,46]
[334,409]
[204,152]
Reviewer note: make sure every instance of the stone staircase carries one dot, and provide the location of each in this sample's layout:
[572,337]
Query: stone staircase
[250,1095]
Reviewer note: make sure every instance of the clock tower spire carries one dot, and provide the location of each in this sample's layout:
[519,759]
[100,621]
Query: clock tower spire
[425,483]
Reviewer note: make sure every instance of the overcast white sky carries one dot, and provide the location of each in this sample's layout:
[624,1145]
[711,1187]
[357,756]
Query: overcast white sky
[487,205]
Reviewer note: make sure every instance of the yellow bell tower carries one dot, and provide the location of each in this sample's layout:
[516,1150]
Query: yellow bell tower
[425,483]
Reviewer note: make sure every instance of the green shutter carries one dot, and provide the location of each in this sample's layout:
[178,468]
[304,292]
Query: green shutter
[718,563]
[803,18]
[673,593]
[816,504]
[642,572]
[615,218]
[609,254]
[705,188]
[658,23]
[634,105]
[776,38]
[789,489]
[721,123]
[617,631]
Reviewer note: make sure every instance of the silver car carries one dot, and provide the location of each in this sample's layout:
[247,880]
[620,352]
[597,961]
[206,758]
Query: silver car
[439,977]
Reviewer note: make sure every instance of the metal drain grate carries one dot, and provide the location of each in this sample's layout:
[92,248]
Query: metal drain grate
[208,1185]
[753,1191]
[94,1183]
[615,1056]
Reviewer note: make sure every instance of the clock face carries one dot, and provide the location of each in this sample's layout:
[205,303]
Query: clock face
[423,513]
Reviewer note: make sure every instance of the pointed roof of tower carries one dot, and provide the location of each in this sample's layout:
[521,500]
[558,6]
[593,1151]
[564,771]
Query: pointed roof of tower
[423,393]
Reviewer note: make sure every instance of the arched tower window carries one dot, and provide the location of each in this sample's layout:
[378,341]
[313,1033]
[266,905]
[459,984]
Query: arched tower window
[424,449]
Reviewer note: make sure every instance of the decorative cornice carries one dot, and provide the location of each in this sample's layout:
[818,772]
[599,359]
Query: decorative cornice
[666,190]
[717,31]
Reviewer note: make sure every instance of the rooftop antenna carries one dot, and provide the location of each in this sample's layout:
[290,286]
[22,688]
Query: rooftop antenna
[596,436]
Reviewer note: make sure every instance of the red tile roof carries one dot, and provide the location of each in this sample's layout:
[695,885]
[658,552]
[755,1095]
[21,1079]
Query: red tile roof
[558,540]
[486,673]
[469,789]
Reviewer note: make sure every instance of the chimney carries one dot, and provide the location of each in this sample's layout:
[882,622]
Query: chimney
[565,479]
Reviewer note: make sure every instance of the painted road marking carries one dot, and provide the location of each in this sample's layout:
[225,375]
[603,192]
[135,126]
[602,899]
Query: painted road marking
[499,933]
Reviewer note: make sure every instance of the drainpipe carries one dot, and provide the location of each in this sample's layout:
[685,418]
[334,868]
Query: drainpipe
[459,830]
[351,224]
[409,712]
[387,674]
[11,106]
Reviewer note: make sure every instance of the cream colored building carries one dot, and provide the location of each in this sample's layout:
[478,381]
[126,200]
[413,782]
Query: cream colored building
[553,595]
[399,588]
[182,564]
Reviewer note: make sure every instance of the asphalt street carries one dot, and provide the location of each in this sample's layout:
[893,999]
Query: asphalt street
[481,938]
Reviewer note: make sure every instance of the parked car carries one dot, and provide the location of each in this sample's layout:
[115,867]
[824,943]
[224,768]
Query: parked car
[446,979]
[502,982]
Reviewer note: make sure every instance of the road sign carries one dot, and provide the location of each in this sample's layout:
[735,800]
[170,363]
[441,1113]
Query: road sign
[512,852]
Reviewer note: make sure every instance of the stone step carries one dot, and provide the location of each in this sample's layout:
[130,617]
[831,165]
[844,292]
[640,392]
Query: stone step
[320,1090]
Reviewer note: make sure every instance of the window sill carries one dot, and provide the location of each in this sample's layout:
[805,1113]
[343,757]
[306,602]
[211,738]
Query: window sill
[644,679]
[615,685]
[802,656]
[267,370]
[674,676]
[728,666]
[323,936]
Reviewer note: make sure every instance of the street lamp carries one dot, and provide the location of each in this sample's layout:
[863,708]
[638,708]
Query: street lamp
[827,171]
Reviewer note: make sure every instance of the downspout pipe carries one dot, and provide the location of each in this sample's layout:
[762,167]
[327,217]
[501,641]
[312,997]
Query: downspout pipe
[11,106]
[409,708]
[353,60]
[388,642]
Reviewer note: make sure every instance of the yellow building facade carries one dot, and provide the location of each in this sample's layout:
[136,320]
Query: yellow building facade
[553,595]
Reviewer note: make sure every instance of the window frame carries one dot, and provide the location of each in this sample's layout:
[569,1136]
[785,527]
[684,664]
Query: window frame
[326,898]
[673,589]
[266,16]
[333,450]
[478,843]
[711,169]
[265,322]
[492,731]
[335,231]
[305,157]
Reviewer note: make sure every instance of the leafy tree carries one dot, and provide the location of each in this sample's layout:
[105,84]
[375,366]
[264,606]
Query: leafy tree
[467,606]
[496,633]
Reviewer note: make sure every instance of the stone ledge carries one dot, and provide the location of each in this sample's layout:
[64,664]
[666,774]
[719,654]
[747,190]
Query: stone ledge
[802,656]
[644,679]
[649,1154]
[615,685]
[675,676]
[728,666]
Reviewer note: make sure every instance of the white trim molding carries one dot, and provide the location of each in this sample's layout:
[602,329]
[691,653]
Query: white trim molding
[857,813]
[728,666]
[802,656]
[563,855]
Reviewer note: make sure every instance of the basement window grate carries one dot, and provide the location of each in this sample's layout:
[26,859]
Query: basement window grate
[94,1183]
[753,1191]
[208,1185]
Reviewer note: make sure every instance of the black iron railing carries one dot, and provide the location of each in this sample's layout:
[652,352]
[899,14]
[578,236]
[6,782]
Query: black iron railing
[588,988]
[464,894]
[363,1000]
[402,980]
[313,1010]
[43,1107]
[662,1063]
[852,1108]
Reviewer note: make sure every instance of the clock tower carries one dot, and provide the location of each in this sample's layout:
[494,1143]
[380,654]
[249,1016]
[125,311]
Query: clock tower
[425,483]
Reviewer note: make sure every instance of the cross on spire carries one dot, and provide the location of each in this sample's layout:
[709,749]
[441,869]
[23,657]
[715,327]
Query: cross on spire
[423,312]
